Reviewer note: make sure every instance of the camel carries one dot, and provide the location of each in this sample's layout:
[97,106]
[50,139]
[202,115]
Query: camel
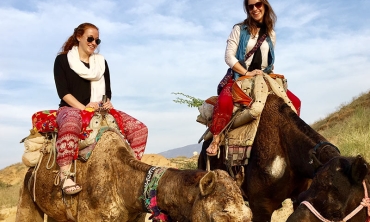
[339,192]
[285,156]
[113,181]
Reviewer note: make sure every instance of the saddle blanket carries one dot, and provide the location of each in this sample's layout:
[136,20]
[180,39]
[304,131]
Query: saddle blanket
[45,121]
[44,132]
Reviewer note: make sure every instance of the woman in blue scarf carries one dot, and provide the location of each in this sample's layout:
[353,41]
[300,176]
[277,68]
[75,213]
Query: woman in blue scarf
[256,31]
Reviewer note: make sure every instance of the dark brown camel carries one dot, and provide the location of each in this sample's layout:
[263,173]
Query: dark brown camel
[285,154]
[113,182]
[336,191]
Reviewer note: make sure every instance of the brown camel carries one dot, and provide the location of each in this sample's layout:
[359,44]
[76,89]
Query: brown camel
[339,192]
[113,181]
[285,156]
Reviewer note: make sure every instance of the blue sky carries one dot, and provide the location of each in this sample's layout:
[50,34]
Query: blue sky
[157,47]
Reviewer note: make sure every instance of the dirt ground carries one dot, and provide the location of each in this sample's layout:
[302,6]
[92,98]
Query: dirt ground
[8,214]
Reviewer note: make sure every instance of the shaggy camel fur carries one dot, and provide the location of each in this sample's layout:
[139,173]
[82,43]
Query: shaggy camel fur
[285,155]
[113,181]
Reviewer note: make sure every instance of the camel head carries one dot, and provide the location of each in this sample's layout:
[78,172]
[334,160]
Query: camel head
[220,199]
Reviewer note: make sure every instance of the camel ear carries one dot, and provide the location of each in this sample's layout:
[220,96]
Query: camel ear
[207,183]
[359,169]
[239,178]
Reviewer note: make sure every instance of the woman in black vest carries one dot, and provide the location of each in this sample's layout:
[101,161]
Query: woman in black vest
[243,38]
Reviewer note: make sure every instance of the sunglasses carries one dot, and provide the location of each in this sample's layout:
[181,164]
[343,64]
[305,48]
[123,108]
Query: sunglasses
[258,5]
[91,39]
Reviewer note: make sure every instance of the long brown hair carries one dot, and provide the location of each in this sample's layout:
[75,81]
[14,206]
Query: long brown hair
[72,40]
[269,18]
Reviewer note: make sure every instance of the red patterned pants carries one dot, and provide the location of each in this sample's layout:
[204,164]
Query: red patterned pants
[70,126]
[223,110]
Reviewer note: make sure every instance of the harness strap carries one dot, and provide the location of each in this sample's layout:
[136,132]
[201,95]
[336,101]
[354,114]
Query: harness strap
[150,194]
[314,211]
[364,203]
[324,143]
[314,153]
[274,76]
[67,174]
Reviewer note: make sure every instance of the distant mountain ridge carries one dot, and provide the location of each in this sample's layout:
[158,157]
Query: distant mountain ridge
[182,151]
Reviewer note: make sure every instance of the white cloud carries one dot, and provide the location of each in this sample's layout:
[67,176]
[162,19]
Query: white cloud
[154,48]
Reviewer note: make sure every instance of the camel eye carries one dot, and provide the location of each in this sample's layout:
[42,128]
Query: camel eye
[224,211]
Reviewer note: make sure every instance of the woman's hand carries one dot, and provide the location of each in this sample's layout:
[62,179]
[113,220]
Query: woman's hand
[240,69]
[254,73]
[94,105]
[107,105]
[257,72]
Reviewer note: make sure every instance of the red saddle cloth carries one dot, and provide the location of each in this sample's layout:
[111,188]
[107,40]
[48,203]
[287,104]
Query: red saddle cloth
[295,100]
[45,121]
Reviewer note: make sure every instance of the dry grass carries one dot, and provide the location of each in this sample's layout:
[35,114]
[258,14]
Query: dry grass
[9,195]
[10,181]
[349,127]
[185,163]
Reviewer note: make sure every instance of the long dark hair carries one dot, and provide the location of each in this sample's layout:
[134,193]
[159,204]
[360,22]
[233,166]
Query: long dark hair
[72,40]
[269,18]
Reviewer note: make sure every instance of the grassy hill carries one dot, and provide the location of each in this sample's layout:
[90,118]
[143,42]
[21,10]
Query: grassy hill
[10,181]
[348,128]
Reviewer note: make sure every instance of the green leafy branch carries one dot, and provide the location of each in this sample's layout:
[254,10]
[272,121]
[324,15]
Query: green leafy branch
[190,100]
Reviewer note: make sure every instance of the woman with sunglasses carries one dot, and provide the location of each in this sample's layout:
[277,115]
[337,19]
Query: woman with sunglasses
[244,36]
[82,78]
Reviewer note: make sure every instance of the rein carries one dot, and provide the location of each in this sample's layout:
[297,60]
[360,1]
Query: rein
[364,203]
[324,143]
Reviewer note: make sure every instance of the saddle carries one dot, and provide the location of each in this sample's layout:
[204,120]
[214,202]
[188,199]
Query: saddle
[44,131]
[249,96]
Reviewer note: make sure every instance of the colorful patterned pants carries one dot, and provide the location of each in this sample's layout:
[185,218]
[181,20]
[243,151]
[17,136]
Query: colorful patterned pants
[70,126]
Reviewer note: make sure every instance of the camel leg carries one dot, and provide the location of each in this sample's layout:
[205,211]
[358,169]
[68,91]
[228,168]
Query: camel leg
[27,209]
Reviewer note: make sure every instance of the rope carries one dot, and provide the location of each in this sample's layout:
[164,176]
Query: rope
[35,176]
[42,151]
[34,173]
[314,211]
[364,203]
[52,151]
[75,168]
[208,165]
[56,178]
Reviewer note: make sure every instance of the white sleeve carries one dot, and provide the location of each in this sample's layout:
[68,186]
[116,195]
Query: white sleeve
[232,46]
[273,38]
